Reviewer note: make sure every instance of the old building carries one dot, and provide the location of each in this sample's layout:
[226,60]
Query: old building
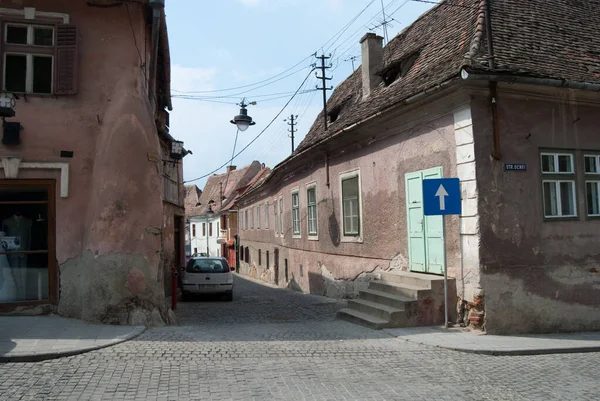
[91,199]
[213,221]
[504,95]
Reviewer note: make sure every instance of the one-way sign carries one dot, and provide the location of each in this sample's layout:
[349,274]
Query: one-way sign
[441,196]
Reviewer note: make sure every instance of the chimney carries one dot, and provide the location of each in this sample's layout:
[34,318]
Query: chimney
[230,168]
[372,61]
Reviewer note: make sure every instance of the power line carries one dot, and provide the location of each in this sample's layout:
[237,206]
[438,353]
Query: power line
[254,84]
[257,136]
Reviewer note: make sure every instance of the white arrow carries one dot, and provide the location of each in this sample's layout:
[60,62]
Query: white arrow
[441,193]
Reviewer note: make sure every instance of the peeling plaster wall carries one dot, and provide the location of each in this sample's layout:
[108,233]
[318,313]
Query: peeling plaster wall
[330,265]
[537,275]
[110,230]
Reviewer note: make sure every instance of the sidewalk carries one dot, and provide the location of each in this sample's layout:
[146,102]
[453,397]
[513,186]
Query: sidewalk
[37,338]
[459,339]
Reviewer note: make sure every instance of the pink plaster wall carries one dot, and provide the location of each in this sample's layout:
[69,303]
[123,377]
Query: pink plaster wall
[537,275]
[115,200]
[383,166]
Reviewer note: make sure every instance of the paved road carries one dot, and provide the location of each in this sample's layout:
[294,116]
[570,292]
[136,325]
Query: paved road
[276,344]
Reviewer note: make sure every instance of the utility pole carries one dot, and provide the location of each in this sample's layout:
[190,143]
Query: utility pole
[292,123]
[352,58]
[324,88]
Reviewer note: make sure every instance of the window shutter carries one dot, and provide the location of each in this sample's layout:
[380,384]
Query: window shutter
[66,71]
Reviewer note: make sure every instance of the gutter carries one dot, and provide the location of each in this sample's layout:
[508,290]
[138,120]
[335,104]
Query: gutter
[407,101]
[515,79]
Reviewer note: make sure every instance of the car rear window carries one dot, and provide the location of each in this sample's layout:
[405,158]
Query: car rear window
[207,266]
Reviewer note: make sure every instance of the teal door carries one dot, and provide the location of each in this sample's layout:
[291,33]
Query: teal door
[425,233]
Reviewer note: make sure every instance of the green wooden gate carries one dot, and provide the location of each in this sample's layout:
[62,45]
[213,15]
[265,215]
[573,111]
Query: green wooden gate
[425,233]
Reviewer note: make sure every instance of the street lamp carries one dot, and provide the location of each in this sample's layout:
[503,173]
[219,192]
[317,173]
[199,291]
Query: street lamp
[243,120]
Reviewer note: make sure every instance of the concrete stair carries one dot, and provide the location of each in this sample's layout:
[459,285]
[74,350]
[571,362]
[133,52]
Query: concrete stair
[401,299]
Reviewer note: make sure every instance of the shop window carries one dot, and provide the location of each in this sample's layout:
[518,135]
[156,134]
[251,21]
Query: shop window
[558,185]
[26,243]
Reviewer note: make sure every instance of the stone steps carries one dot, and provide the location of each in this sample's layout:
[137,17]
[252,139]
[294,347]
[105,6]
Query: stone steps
[400,299]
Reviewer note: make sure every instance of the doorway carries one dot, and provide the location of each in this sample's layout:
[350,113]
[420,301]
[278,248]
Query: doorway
[276,265]
[426,249]
[27,243]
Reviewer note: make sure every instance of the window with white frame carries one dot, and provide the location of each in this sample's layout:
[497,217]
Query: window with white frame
[350,186]
[311,210]
[276,213]
[252,218]
[281,216]
[296,213]
[245,219]
[592,184]
[258,217]
[558,185]
[267,215]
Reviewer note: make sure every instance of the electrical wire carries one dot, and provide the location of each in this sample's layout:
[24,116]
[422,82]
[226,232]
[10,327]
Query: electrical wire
[254,84]
[257,136]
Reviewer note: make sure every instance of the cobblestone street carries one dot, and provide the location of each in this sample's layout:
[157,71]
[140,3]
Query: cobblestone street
[277,344]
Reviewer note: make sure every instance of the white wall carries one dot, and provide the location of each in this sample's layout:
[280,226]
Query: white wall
[199,241]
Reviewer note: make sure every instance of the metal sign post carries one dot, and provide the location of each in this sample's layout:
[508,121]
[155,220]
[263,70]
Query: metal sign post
[441,196]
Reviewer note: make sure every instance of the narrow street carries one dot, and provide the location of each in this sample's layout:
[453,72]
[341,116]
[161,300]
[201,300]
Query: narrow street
[277,344]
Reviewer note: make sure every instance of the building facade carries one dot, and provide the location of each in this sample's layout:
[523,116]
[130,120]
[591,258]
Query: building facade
[90,186]
[514,120]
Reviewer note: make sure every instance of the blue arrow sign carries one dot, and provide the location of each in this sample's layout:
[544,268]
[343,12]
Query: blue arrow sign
[441,196]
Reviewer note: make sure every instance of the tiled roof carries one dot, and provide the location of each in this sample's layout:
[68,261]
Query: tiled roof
[530,37]
[258,179]
[228,185]
[192,197]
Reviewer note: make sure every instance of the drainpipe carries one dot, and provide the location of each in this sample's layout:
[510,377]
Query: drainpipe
[157,7]
[493,85]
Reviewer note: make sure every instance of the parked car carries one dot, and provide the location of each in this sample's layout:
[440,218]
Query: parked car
[207,275]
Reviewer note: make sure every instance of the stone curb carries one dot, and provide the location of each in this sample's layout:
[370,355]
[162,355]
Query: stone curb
[44,356]
[513,352]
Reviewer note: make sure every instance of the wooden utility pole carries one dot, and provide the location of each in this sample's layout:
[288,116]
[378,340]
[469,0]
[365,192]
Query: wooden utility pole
[324,88]
[293,121]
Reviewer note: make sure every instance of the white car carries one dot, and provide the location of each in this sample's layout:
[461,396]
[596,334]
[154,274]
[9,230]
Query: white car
[207,275]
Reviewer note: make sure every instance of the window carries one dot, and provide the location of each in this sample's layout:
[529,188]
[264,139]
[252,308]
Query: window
[296,214]
[210,232]
[275,209]
[267,215]
[311,210]
[281,215]
[351,220]
[260,257]
[204,229]
[193,230]
[592,184]
[39,59]
[245,220]
[252,218]
[267,259]
[241,252]
[195,251]
[558,185]
[247,255]
[258,217]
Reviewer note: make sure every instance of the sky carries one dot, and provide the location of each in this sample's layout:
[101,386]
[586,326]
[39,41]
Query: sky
[262,50]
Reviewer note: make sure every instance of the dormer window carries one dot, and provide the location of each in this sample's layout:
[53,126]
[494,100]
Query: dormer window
[334,113]
[39,58]
[398,69]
